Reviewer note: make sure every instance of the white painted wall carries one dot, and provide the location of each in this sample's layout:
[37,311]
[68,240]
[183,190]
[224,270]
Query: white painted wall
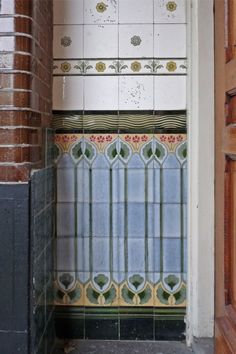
[200,312]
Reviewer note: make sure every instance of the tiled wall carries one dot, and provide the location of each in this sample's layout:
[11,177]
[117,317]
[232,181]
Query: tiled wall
[119,98]
[119,55]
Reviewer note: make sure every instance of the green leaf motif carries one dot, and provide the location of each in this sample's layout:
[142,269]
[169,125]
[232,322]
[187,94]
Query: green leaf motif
[162,295]
[77,151]
[92,295]
[136,280]
[171,280]
[145,295]
[101,280]
[127,295]
[182,151]
[110,295]
[74,295]
[180,296]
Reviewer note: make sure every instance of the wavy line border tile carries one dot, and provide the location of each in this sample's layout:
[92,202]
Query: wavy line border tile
[116,66]
[123,121]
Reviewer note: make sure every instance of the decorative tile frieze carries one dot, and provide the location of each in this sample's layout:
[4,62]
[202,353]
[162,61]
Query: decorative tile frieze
[135,66]
[115,243]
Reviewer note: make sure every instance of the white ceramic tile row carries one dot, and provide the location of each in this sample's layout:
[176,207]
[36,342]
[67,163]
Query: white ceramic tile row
[124,41]
[121,67]
[119,11]
[119,92]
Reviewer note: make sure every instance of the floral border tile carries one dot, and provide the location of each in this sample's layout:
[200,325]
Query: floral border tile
[120,67]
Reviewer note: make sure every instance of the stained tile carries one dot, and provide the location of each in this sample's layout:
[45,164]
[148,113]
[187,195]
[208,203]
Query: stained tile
[68,93]
[102,37]
[101,328]
[68,12]
[136,328]
[170,41]
[100,219]
[135,11]
[101,93]
[135,93]
[98,12]
[135,41]
[136,185]
[68,41]
[166,11]
[170,93]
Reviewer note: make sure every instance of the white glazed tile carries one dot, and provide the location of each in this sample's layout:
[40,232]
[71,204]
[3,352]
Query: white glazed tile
[170,41]
[67,92]
[166,11]
[68,12]
[135,41]
[135,11]
[101,93]
[136,93]
[100,41]
[68,41]
[170,93]
[100,11]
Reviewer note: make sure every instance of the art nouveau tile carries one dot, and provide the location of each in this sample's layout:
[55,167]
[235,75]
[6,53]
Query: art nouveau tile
[68,41]
[83,217]
[135,11]
[100,219]
[135,220]
[68,93]
[170,93]
[136,255]
[65,219]
[65,185]
[102,37]
[185,184]
[170,41]
[97,12]
[118,217]
[171,212]
[68,12]
[101,93]
[171,186]
[135,41]
[136,185]
[157,220]
[184,219]
[157,255]
[171,255]
[135,93]
[166,11]
[100,192]
[65,254]
[101,254]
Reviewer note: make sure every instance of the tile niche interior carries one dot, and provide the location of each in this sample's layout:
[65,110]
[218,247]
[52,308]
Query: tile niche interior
[119,99]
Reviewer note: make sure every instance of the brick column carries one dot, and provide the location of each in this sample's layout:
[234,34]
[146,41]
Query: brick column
[25,85]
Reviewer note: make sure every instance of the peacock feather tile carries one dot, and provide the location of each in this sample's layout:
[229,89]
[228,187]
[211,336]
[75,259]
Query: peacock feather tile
[121,220]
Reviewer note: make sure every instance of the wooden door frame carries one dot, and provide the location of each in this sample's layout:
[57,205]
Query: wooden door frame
[200,310]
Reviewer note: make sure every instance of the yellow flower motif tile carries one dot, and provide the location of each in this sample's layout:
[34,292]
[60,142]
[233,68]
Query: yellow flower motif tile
[100,67]
[136,66]
[65,67]
[101,7]
[171,6]
[171,66]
